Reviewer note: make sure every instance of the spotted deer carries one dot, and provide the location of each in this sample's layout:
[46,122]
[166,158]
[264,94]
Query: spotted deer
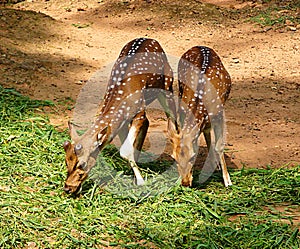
[204,86]
[140,75]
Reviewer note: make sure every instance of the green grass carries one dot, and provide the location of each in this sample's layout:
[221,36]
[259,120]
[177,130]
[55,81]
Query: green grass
[278,15]
[35,212]
[268,18]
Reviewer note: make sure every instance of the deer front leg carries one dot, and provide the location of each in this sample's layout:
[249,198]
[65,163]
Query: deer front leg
[132,145]
[210,143]
[219,132]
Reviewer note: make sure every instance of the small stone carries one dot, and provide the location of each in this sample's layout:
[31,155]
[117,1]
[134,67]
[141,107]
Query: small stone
[236,60]
[4,188]
[289,22]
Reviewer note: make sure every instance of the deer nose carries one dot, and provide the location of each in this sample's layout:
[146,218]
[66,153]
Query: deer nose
[187,182]
[67,189]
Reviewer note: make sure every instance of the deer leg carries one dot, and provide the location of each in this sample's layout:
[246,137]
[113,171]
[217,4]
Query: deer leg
[133,143]
[142,123]
[166,100]
[123,133]
[218,130]
[207,136]
[210,143]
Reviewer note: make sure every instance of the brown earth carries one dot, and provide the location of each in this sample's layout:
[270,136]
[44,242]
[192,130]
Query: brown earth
[49,49]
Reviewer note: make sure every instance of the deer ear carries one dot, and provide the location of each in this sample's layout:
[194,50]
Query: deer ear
[72,132]
[173,128]
[173,131]
[67,145]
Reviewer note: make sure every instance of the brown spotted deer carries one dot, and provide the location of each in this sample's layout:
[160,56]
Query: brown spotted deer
[140,75]
[204,86]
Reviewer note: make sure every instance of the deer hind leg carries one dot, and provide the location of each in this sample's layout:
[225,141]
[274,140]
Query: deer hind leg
[166,97]
[133,143]
[218,130]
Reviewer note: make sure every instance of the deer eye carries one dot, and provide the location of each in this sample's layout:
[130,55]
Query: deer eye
[78,148]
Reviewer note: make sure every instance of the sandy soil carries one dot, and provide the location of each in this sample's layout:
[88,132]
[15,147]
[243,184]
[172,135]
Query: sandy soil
[50,49]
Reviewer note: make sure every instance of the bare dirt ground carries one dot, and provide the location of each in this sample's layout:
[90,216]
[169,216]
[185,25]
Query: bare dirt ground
[49,49]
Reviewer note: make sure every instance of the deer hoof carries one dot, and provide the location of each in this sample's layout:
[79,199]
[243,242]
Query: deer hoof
[140,181]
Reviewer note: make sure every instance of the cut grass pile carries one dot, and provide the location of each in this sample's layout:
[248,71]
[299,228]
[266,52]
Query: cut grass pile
[36,213]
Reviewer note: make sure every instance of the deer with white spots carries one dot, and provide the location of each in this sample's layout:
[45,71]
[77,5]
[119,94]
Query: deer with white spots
[140,75]
[204,86]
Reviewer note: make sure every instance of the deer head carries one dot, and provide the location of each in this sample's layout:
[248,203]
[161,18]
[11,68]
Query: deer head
[81,156]
[185,150]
